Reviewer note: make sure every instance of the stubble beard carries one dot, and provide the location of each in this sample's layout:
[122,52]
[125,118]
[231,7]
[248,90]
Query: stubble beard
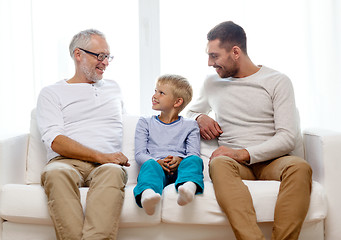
[90,74]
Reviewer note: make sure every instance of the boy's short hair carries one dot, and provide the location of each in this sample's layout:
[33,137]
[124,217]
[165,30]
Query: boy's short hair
[180,86]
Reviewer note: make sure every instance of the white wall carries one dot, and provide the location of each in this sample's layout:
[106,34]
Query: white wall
[301,38]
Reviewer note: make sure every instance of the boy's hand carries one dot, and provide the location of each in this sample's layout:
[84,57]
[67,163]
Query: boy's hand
[164,164]
[174,163]
[170,164]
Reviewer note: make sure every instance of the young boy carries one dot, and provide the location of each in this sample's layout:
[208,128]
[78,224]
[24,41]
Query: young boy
[167,147]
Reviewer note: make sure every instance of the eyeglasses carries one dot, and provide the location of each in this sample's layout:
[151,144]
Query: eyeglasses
[100,56]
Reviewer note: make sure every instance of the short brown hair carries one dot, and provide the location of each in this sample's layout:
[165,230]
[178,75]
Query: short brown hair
[180,86]
[229,34]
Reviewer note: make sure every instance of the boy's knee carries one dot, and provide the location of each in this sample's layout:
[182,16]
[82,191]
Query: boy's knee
[151,163]
[193,158]
[196,159]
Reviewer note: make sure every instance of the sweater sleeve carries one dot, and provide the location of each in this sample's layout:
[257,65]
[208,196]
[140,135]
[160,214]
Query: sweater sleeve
[283,141]
[201,106]
[193,141]
[141,140]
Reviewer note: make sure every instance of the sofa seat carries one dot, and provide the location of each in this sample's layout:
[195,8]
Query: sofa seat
[27,203]
[34,208]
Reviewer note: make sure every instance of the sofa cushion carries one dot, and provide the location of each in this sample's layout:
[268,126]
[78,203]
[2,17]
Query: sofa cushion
[128,149]
[28,204]
[205,210]
[36,156]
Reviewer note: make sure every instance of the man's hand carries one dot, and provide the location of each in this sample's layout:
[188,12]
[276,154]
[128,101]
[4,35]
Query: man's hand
[209,129]
[240,155]
[170,164]
[117,158]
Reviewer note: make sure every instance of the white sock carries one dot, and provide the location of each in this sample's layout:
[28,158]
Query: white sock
[186,193]
[149,200]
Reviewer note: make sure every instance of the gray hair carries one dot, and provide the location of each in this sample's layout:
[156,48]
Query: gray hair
[82,39]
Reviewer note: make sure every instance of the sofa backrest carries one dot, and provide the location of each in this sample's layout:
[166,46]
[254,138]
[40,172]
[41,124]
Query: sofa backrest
[36,157]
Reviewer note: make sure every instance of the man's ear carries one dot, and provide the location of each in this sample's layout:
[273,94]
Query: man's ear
[178,102]
[236,52]
[77,54]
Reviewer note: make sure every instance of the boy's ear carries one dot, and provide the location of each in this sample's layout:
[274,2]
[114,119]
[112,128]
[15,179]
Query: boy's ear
[178,102]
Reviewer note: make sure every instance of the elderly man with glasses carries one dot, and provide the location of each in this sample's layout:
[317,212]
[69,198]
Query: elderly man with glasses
[80,120]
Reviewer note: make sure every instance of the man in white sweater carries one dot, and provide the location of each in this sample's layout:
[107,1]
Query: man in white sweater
[257,130]
[80,120]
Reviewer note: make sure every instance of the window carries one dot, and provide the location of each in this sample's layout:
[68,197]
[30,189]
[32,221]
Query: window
[299,38]
[153,37]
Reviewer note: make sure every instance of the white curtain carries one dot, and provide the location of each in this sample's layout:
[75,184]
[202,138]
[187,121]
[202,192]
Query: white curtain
[322,106]
[300,38]
[34,40]
[17,85]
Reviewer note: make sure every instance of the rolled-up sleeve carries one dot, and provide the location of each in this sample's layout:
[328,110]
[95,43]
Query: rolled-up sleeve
[49,117]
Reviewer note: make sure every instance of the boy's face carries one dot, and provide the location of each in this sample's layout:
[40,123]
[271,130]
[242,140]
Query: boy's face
[163,98]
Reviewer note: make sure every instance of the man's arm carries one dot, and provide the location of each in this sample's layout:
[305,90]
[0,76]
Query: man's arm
[286,125]
[209,128]
[68,147]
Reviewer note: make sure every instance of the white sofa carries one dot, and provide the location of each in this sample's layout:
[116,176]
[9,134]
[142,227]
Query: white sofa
[24,214]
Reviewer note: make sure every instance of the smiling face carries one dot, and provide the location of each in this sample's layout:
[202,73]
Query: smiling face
[163,98]
[223,61]
[90,66]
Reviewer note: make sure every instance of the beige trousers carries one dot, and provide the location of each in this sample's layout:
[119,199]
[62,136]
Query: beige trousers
[61,180]
[235,200]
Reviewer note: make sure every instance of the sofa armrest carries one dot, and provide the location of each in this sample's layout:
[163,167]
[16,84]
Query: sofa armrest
[13,154]
[323,152]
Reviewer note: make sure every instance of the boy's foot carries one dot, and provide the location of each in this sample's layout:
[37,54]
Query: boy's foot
[186,193]
[149,200]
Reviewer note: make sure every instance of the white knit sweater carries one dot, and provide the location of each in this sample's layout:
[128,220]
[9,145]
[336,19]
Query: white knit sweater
[257,112]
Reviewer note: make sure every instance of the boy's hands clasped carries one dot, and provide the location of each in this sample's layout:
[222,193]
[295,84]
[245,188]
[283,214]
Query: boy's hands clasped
[170,164]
